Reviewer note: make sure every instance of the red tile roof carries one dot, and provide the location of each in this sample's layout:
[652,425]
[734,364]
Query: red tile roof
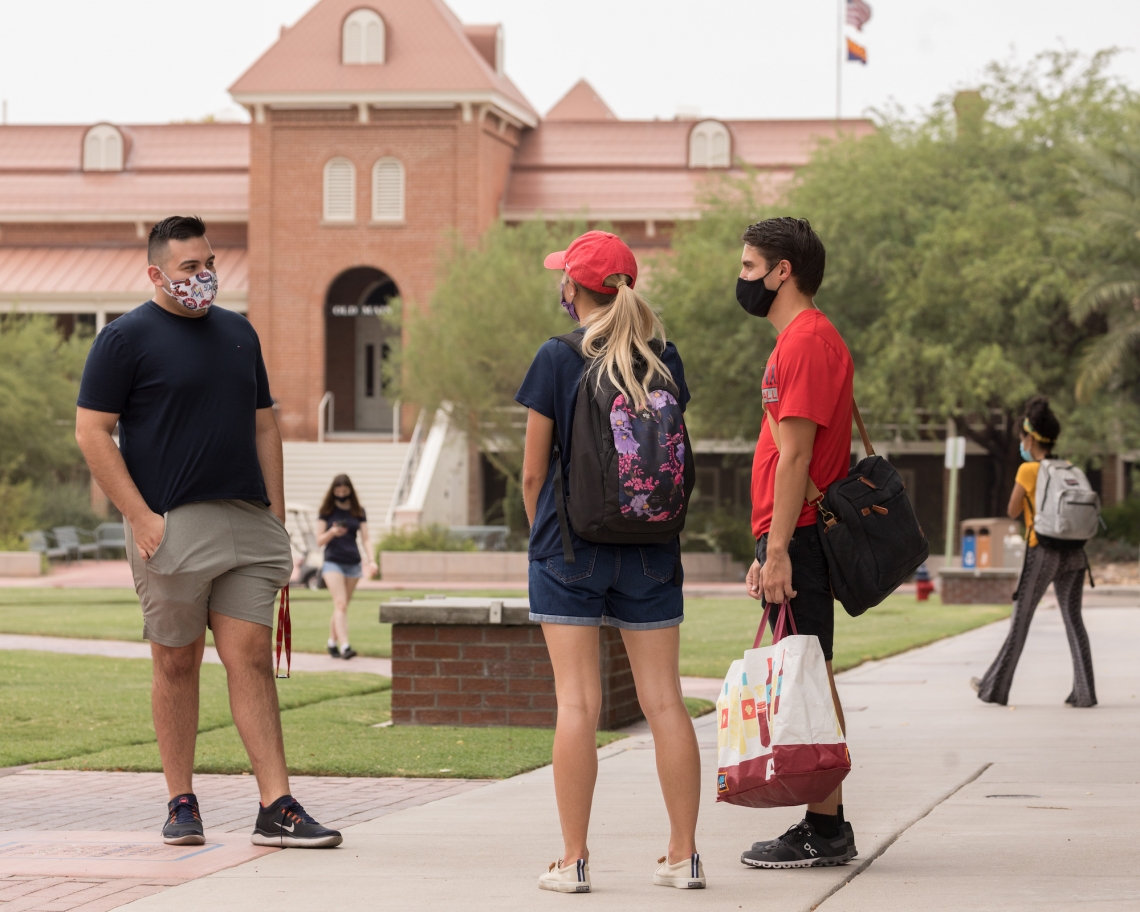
[201,168]
[639,169]
[150,147]
[580,103]
[99,271]
[665,143]
[122,196]
[427,52]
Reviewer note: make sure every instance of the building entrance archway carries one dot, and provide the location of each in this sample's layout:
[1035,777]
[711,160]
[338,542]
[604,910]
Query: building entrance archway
[356,347]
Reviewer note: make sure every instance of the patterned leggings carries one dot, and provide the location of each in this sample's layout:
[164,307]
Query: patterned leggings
[1065,570]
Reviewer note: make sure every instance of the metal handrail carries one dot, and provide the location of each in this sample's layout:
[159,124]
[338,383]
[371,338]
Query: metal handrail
[408,470]
[325,410]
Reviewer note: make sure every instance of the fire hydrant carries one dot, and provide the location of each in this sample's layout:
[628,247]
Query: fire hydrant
[923,584]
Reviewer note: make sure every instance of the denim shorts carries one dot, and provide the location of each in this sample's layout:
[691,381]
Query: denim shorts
[813,608]
[627,586]
[352,571]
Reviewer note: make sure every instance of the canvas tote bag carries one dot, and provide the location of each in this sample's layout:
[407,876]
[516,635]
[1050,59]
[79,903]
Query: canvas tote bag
[779,742]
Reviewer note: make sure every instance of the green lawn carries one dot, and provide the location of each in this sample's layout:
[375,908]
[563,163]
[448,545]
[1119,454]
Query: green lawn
[54,706]
[88,712]
[114,614]
[716,631]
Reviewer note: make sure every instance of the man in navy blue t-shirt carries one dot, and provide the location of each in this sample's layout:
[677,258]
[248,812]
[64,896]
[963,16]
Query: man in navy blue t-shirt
[198,477]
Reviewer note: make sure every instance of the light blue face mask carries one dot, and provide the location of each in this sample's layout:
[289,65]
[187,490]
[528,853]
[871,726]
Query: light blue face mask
[1026,456]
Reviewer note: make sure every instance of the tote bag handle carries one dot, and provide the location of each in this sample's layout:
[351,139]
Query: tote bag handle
[783,620]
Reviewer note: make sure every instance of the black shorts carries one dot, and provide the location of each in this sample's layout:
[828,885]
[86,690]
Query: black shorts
[813,608]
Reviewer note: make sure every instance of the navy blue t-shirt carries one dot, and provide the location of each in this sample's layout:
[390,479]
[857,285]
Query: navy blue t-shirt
[186,390]
[343,550]
[551,389]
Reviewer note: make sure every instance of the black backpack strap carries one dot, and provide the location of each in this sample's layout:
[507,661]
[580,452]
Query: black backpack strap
[560,503]
[574,340]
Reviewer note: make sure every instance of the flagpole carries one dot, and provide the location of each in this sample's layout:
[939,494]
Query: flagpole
[839,65]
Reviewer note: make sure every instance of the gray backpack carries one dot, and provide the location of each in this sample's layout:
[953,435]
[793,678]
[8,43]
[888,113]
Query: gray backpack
[1067,509]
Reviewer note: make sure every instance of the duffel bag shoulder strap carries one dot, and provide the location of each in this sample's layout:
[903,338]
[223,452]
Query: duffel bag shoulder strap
[813,495]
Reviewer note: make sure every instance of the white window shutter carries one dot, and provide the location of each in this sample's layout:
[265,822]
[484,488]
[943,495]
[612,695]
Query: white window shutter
[388,190]
[710,145]
[362,38]
[353,43]
[699,149]
[103,149]
[718,157]
[374,42]
[340,191]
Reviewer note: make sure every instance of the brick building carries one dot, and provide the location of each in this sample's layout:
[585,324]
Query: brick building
[378,128]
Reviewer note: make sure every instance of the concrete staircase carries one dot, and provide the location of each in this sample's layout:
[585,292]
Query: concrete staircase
[374,468]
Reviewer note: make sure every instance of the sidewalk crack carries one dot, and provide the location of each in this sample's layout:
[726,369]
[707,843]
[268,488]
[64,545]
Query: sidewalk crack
[894,837]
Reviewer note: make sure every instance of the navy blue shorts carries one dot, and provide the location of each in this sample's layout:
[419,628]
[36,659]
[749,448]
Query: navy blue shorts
[627,586]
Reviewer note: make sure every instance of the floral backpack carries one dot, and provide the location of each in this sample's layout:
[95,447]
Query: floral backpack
[631,471]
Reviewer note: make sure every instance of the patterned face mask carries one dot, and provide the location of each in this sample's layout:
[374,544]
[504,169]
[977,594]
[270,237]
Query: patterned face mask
[196,292]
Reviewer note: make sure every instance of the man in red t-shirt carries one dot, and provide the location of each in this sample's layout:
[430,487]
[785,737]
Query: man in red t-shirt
[807,390]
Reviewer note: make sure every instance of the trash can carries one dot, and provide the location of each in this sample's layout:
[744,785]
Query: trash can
[990,543]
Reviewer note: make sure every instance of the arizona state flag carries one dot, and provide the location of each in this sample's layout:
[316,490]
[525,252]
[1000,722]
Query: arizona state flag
[856,52]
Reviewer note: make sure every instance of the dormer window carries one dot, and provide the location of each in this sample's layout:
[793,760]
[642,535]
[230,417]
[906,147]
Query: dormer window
[362,40]
[103,149]
[710,145]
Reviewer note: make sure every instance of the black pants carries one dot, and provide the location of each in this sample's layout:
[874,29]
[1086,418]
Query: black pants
[813,608]
[1065,570]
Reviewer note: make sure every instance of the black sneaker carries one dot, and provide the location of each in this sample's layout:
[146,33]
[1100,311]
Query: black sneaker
[184,825]
[348,653]
[285,824]
[334,652]
[848,831]
[800,847]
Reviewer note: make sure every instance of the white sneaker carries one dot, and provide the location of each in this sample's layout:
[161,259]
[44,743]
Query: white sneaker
[570,879]
[684,875]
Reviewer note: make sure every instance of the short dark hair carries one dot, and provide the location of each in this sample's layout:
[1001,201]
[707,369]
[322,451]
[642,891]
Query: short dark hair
[1043,421]
[173,228]
[794,240]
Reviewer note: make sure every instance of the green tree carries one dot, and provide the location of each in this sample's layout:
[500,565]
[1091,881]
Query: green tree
[1111,226]
[947,272]
[493,307]
[39,381]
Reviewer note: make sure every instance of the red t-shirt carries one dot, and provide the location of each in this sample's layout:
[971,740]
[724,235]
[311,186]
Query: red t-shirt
[809,375]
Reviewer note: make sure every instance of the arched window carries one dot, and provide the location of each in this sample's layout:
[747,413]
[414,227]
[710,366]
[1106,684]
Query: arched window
[388,190]
[340,190]
[710,145]
[362,40]
[103,149]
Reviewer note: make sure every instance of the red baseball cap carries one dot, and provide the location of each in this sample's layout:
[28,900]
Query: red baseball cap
[593,258]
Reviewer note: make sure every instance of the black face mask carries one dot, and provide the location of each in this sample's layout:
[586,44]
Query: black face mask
[754,297]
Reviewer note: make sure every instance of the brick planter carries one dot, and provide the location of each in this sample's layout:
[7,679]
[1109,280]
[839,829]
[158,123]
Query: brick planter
[964,586]
[476,662]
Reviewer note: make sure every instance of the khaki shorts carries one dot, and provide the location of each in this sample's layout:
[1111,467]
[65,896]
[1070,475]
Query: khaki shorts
[226,556]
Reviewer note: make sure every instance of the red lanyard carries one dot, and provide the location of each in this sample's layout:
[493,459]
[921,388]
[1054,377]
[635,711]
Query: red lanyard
[284,632]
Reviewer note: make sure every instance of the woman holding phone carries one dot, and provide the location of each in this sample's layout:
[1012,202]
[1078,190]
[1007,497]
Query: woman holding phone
[341,520]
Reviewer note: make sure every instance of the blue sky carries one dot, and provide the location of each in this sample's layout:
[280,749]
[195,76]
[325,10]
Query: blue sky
[121,60]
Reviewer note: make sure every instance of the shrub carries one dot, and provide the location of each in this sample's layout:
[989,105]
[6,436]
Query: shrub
[1123,521]
[428,538]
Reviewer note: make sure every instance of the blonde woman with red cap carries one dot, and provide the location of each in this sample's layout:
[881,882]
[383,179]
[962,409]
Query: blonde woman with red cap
[606,477]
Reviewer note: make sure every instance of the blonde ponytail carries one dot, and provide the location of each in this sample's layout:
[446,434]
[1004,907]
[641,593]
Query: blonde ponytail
[618,334]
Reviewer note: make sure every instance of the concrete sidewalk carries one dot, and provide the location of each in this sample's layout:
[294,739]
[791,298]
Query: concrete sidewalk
[955,804]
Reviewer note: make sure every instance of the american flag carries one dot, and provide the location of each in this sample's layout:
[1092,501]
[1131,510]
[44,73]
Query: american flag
[858,13]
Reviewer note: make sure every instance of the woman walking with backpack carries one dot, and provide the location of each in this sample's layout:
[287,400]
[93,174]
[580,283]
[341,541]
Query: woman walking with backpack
[582,572]
[1061,563]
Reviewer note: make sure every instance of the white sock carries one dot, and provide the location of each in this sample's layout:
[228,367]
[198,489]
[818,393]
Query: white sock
[332,644]
[343,647]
